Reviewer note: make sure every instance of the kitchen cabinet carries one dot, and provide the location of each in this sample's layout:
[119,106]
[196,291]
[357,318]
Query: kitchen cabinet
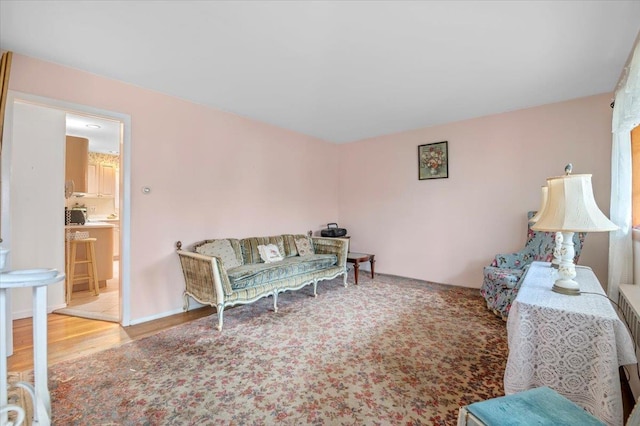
[101,179]
[107,183]
[76,162]
[103,233]
[92,179]
[116,237]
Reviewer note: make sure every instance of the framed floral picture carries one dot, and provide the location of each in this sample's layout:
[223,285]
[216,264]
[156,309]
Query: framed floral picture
[433,161]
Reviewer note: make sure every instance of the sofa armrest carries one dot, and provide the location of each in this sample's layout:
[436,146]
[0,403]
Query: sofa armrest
[331,246]
[515,260]
[503,278]
[205,277]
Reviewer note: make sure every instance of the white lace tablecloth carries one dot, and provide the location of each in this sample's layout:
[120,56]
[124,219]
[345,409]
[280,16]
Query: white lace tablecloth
[572,344]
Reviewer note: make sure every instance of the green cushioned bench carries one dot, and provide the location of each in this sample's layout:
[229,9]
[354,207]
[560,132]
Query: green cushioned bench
[535,407]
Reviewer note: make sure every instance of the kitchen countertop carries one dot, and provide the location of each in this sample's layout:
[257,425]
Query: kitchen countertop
[103,219]
[89,225]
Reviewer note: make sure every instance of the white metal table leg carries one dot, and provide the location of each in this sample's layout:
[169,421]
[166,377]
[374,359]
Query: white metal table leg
[39,391]
[42,403]
[3,357]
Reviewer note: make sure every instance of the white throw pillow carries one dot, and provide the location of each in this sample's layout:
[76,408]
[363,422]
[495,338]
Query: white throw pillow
[221,249]
[269,253]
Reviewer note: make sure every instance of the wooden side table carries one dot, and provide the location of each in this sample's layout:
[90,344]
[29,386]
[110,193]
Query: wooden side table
[356,258]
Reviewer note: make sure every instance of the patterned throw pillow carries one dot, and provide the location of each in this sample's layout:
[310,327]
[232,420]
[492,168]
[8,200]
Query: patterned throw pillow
[269,253]
[304,246]
[221,249]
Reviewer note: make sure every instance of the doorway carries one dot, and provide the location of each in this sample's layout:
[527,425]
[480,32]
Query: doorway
[93,157]
[122,184]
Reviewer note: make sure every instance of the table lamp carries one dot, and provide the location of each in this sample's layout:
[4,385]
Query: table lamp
[571,208]
[543,205]
[555,263]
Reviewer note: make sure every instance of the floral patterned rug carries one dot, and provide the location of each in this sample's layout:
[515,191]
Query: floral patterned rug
[388,351]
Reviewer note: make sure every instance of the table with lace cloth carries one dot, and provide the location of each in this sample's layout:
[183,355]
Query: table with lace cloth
[572,344]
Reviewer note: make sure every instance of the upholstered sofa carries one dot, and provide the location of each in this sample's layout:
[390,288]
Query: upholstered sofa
[503,277]
[227,272]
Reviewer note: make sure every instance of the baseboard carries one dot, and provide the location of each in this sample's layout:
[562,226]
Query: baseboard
[28,313]
[16,315]
[192,305]
[157,316]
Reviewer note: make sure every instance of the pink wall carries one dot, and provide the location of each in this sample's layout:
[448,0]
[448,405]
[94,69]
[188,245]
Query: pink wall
[215,174]
[212,174]
[446,230]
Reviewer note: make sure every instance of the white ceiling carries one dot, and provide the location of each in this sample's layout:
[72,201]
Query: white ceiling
[103,134]
[339,70]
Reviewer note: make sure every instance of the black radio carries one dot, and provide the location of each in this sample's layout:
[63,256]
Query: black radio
[333,231]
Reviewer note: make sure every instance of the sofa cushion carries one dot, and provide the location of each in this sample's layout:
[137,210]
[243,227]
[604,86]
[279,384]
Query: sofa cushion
[249,246]
[249,275]
[223,249]
[304,245]
[289,245]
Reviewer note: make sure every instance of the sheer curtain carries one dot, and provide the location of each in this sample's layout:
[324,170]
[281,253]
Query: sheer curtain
[626,116]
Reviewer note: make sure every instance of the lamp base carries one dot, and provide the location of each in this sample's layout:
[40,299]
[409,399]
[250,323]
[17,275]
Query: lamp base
[568,287]
[565,284]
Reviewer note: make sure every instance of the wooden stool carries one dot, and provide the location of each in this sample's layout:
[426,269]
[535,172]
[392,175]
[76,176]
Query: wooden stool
[90,261]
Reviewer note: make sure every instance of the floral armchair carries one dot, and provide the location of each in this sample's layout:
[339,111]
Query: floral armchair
[502,278]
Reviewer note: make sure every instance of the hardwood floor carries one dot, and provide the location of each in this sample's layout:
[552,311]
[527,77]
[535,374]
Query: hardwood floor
[70,337]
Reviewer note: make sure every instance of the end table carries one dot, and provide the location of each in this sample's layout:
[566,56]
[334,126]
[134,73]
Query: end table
[356,258]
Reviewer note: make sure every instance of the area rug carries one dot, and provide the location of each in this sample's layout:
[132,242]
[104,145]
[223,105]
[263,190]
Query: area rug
[387,351]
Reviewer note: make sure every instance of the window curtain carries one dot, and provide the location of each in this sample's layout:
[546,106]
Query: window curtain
[626,116]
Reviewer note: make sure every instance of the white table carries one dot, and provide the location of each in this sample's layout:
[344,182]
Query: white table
[572,344]
[42,401]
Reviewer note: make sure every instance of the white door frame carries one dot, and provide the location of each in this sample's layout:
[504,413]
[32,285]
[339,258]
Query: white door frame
[125,181]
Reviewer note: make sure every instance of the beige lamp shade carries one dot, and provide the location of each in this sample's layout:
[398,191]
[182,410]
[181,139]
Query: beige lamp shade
[543,205]
[571,207]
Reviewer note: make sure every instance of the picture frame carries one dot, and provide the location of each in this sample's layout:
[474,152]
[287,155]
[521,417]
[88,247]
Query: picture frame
[433,160]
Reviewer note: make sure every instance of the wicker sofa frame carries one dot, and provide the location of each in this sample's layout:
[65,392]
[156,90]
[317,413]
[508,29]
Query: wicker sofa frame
[207,281]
